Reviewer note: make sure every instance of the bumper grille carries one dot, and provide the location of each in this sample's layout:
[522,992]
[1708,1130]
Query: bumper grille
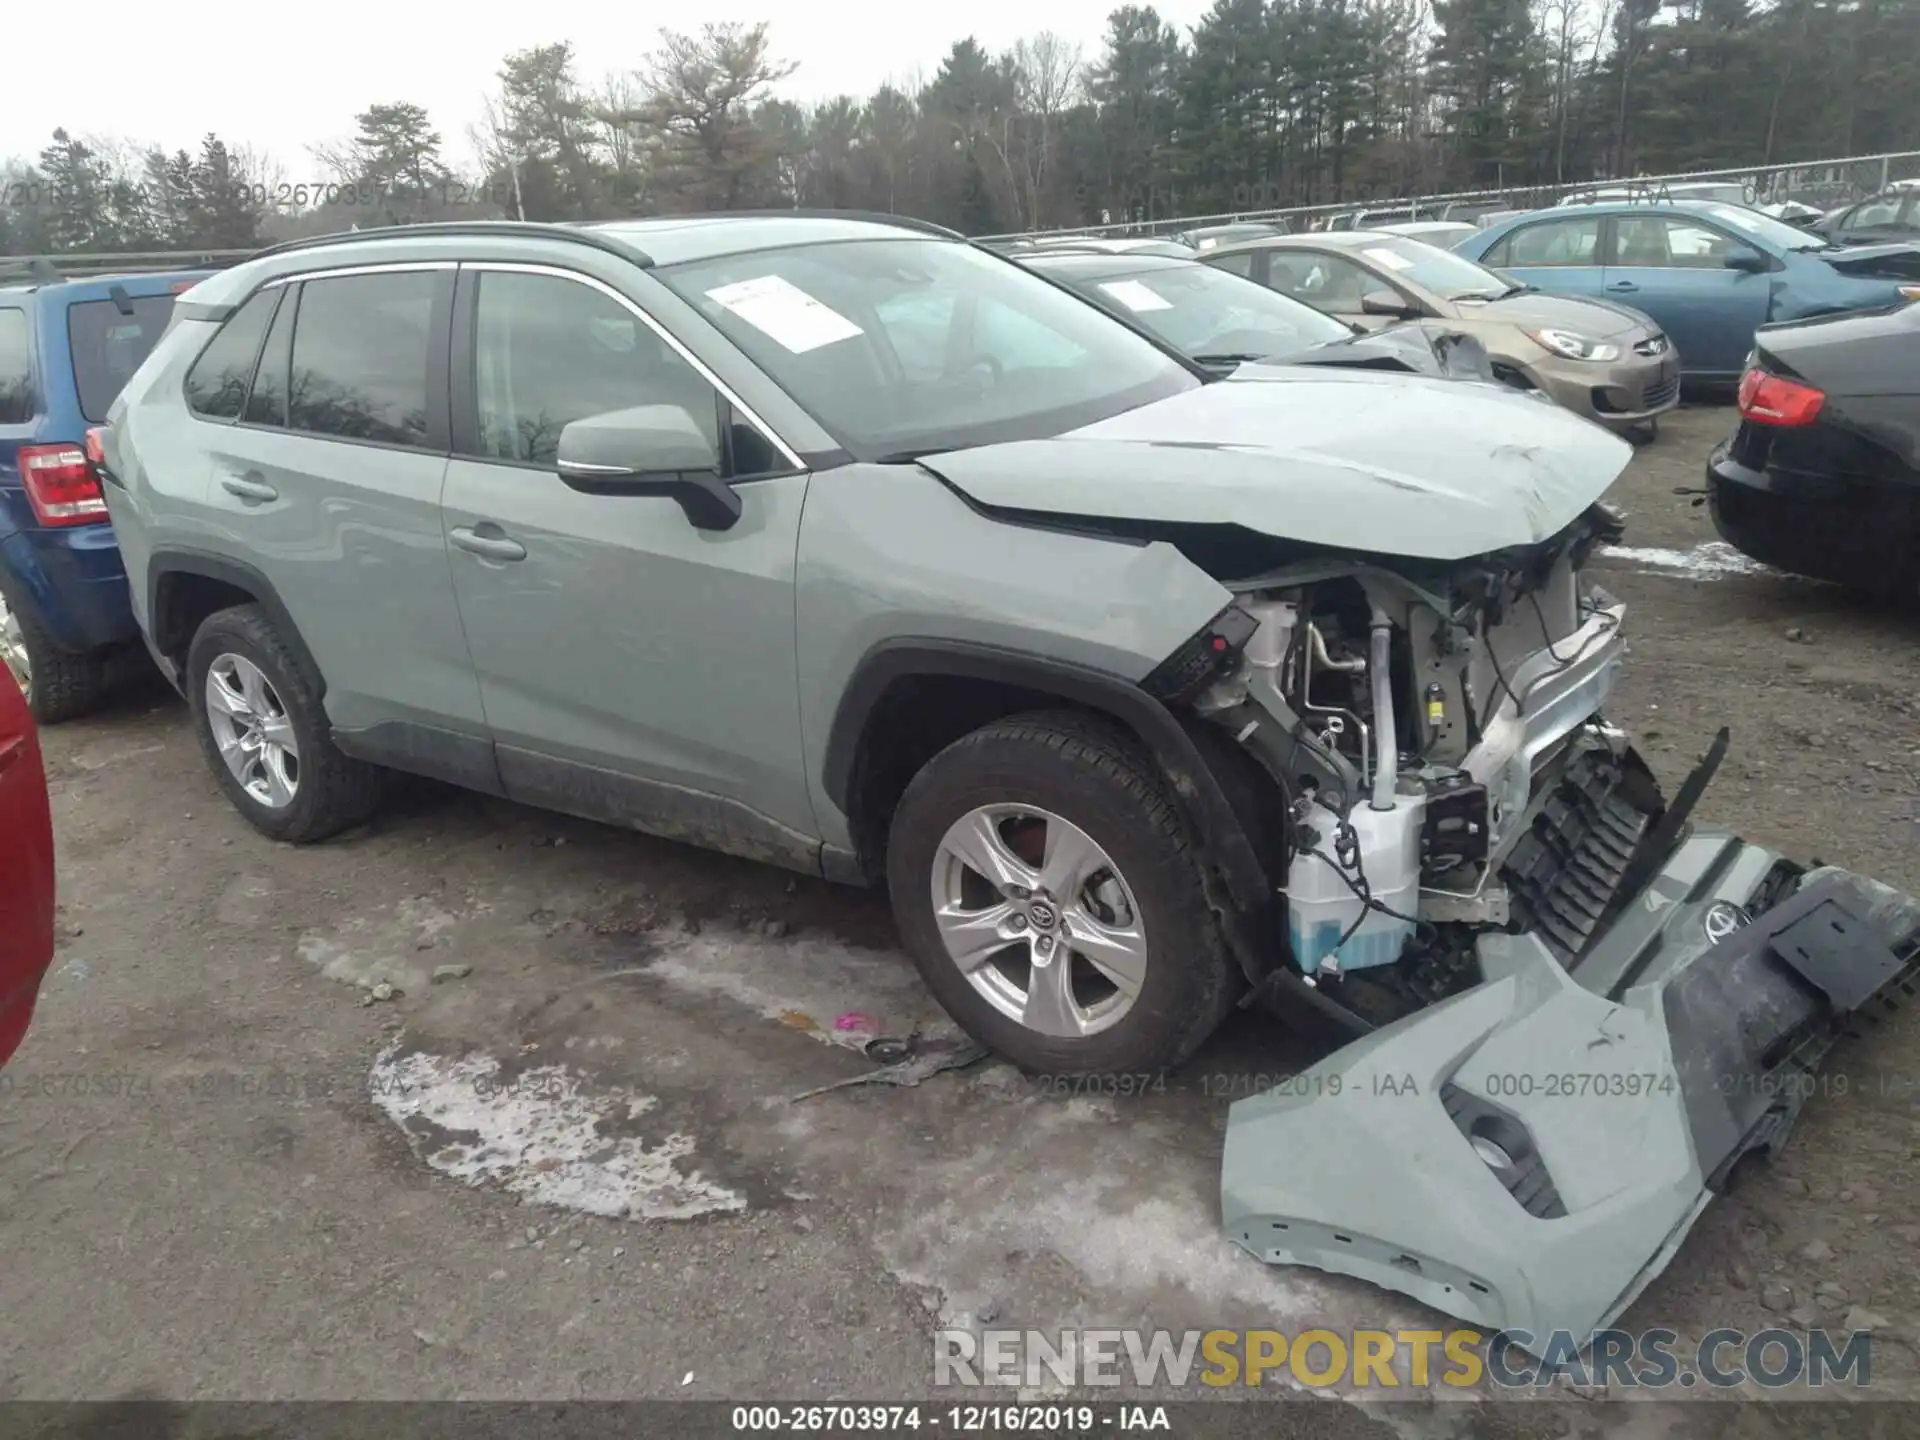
[1659,393]
[1564,872]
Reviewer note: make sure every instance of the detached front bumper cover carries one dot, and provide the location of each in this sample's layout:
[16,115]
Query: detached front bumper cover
[1530,1154]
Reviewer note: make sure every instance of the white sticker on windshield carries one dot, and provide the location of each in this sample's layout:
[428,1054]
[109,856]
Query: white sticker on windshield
[1135,296]
[1389,259]
[786,313]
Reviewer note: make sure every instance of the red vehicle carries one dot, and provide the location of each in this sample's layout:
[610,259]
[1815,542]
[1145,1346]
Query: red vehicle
[26,868]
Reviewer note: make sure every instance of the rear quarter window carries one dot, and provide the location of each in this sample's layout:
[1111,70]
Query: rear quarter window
[217,383]
[16,368]
[109,346]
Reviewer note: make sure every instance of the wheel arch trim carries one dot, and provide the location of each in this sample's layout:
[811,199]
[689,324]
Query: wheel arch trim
[1197,789]
[174,561]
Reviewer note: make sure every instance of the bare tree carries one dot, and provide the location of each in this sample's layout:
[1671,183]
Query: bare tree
[701,94]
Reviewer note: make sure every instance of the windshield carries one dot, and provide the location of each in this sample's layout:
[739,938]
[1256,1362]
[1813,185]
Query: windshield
[1765,227]
[1441,271]
[1204,312]
[906,347]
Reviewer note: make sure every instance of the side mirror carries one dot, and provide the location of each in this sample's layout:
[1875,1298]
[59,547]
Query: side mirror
[1384,302]
[1743,257]
[650,450]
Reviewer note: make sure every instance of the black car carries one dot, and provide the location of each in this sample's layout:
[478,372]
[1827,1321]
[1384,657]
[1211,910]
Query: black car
[1221,320]
[1823,476]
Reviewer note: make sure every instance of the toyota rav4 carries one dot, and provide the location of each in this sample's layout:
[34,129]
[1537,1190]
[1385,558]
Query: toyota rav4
[844,544]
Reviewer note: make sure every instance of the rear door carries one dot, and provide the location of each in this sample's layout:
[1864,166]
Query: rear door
[1561,256]
[635,669]
[1673,268]
[326,478]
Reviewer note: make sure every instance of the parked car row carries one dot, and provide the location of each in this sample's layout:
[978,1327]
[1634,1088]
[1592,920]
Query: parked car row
[1708,273]
[1603,361]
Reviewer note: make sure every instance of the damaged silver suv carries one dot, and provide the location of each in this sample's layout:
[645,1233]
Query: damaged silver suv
[843,544]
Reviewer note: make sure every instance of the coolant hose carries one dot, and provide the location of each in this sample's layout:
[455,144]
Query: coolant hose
[1386,745]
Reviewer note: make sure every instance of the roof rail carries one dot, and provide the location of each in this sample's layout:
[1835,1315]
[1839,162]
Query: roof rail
[37,268]
[529,229]
[877,217]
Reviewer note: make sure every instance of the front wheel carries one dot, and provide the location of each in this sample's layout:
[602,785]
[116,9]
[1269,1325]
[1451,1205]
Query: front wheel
[1048,893]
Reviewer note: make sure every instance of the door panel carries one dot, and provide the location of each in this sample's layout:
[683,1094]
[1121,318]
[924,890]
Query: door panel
[342,506]
[1673,269]
[632,667]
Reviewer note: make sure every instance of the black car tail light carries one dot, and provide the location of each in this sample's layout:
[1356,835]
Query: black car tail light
[1774,400]
[1192,667]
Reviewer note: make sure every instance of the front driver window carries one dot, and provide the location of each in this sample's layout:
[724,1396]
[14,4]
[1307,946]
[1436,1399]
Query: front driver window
[549,351]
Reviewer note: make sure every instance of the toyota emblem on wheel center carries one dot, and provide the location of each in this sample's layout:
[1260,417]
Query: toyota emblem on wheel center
[1722,919]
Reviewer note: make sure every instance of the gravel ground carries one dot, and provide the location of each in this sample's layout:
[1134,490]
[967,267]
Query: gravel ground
[227,1170]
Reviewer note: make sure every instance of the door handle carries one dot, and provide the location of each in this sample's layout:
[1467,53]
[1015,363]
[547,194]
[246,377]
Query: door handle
[248,487]
[488,547]
[1623,287]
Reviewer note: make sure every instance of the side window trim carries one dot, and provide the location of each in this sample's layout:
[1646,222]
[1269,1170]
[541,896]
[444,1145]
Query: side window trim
[253,366]
[289,295]
[465,435]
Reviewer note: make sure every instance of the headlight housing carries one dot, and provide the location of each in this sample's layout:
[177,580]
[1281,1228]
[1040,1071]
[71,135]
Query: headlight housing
[1571,345]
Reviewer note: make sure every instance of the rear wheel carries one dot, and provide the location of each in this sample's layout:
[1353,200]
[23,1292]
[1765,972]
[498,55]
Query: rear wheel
[59,684]
[1047,890]
[266,736]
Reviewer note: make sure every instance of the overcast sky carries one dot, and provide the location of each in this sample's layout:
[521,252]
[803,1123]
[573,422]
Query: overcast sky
[167,75]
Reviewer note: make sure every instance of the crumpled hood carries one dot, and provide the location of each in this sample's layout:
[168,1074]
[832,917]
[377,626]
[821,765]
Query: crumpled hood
[1349,459]
[1895,261]
[1421,347]
[1598,319]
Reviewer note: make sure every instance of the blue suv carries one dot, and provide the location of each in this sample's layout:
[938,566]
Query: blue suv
[66,348]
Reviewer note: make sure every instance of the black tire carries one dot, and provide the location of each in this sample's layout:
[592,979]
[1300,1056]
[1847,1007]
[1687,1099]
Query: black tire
[1096,776]
[334,792]
[66,684]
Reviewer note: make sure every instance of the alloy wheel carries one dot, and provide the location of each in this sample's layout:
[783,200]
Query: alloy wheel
[253,731]
[13,649]
[1039,920]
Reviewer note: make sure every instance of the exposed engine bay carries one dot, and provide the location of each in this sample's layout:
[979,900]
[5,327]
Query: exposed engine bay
[1436,736]
[1573,1016]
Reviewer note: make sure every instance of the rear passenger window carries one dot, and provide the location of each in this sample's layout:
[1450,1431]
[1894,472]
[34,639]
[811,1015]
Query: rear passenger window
[549,351]
[360,357]
[16,368]
[217,383]
[267,403]
[1572,242]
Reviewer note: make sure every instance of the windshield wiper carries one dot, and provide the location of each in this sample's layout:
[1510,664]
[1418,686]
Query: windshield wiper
[1230,358]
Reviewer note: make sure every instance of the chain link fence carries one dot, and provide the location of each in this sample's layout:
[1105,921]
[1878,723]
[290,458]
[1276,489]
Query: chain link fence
[1820,185]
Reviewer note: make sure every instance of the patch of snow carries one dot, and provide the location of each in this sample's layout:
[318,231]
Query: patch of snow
[538,1136]
[1714,560]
